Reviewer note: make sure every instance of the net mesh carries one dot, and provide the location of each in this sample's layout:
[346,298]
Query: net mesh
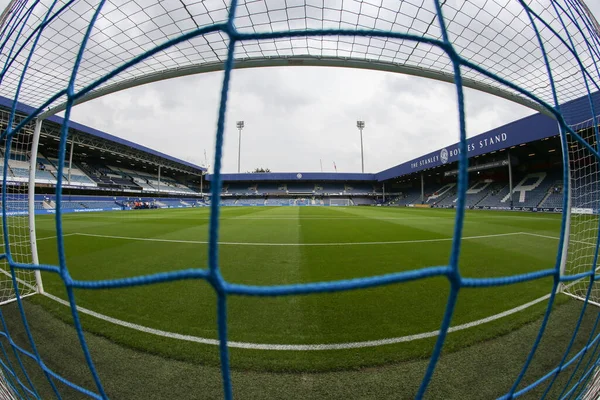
[499,37]
[584,198]
[339,202]
[541,53]
[15,154]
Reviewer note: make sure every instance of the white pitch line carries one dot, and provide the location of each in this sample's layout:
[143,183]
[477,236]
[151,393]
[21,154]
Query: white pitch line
[450,218]
[298,347]
[542,236]
[301,347]
[294,244]
[207,218]
[557,238]
[37,240]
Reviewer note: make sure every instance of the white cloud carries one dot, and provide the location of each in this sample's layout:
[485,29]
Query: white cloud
[295,117]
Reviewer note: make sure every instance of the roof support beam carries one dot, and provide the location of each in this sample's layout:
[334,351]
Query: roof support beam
[300,61]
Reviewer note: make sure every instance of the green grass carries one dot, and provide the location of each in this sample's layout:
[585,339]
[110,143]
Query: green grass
[484,370]
[188,307]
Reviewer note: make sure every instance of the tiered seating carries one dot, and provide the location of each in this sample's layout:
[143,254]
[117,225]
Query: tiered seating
[448,200]
[446,191]
[266,188]
[534,197]
[251,202]
[301,187]
[78,177]
[167,186]
[474,199]
[19,169]
[95,172]
[554,197]
[240,188]
[71,205]
[159,186]
[20,172]
[46,172]
[195,202]
[330,188]
[144,184]
[17,207]
[554,200]
[44,176]
[411,196]
[80,180]
[98,204]
[358,188]
[126,183]
[277,202]
[111,169]
[362,201]
[521,198]
[184,189]
[494,198]
[176,203]
[126,172]
[476,193]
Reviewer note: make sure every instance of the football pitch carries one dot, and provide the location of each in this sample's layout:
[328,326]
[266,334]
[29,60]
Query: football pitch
[288,245]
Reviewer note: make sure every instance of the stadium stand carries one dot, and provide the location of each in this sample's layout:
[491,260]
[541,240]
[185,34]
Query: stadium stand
[277,202]
[300,188]
[537,180]
[268,188]
[362,201]
[358,188]
[554,197]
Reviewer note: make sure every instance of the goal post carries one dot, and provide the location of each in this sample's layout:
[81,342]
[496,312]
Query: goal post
[19,165]
[566,210]
[31,202]
[339,202]
[581,236]
[542,54]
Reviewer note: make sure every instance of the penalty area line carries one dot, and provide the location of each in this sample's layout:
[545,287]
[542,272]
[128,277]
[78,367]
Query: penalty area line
[298,347]
[294,244]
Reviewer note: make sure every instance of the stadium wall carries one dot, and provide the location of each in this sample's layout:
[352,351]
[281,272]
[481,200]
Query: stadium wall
[295,176]
[529,129]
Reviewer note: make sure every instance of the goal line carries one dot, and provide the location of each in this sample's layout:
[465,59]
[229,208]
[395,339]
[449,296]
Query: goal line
[298,347]
[141,239]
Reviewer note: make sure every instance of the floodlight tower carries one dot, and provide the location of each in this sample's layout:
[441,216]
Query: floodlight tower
[240,126]
[361,125]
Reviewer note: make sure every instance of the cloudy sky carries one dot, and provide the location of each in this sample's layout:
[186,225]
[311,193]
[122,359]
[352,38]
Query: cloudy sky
[297,117]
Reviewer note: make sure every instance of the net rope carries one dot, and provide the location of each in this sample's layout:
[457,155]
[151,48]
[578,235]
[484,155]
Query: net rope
[16,162]
[546,52]
[583,226]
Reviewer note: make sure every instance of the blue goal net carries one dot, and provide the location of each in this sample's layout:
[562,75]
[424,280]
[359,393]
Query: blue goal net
[538,53]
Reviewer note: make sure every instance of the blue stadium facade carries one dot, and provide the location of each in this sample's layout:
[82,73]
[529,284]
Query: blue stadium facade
[110,173]
[524,155]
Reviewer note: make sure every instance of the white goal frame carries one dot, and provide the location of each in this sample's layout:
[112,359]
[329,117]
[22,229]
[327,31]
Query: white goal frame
[31,202]
[346,204]
[39,286]
[570,210]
